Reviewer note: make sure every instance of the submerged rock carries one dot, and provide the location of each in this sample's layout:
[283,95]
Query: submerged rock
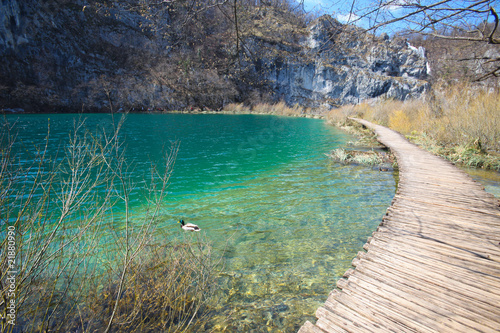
[280,308]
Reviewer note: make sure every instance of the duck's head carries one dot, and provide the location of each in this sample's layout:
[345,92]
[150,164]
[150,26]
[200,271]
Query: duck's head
[181,222]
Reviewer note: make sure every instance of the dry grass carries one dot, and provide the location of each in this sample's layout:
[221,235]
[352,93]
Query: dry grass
[170,288]
[339,155]
[366,158]
[280,109]
[461,122]
[340,116]
[236,108]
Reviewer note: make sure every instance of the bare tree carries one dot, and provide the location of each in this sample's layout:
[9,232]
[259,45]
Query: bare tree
[473,21]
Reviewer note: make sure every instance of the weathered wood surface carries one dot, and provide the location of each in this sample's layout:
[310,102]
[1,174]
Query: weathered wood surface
[433,265]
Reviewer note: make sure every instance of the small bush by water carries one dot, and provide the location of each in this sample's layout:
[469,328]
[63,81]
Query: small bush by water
[169,288]
[368,158]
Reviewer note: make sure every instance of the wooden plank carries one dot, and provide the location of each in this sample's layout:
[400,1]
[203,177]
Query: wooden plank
[473,248]
[431,183]
[452,197]
[466,274]
[344,318]
[482,250]
[433,265]
[466,191]
[444,243]
[308,327]
[462,297]
[450,255]
[402,203]
[341,283]
[388,314]
[448,224]
[452,280]
[348,273]
[376,315]
[437,204]
[331,323]
[414,316]
[355,262]
[487,226]
[447,298]
[412,225]
[425,305]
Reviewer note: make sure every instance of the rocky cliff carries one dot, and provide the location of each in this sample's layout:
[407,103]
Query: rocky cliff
[62,55]
[342,65]
[65,55]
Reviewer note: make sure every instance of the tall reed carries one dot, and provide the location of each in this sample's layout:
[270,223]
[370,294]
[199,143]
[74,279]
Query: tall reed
[280,108]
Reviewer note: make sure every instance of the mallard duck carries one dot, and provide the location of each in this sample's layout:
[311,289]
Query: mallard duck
[189,226]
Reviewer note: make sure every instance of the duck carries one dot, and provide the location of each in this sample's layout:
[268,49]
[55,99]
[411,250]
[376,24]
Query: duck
[189,226]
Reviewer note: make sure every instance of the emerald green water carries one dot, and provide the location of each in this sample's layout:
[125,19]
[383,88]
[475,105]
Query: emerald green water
[289,220]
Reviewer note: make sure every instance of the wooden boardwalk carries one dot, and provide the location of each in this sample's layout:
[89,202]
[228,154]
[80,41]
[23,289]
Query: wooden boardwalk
[433,265]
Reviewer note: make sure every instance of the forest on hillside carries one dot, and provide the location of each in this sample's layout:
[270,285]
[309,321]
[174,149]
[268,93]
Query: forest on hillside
[119,52]
[95,55]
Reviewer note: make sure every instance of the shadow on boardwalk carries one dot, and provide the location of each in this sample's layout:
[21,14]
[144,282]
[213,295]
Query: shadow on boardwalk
[433,265]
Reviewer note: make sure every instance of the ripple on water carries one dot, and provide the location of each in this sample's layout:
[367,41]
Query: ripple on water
[287,220]
[490,179]
[289,234]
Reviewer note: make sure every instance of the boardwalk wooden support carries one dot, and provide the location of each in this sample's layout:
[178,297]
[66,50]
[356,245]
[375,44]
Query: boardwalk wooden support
[433,265]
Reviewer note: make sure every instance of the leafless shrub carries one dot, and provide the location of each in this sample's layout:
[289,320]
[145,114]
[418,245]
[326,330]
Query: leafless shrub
[61,221]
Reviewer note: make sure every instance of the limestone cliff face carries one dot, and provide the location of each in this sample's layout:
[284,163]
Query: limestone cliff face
[340,66]
[11,25]
[72,54]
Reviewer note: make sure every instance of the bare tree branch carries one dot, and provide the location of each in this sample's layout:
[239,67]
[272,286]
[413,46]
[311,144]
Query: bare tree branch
[474,21]
[495,15]
[406,16]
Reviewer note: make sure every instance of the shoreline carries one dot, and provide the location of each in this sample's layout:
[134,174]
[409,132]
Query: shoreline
[353,128]
[304,115]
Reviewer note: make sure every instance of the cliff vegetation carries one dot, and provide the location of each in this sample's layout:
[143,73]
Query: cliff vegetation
[88,55]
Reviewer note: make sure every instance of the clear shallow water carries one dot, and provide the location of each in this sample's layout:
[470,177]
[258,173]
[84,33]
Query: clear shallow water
[488,178]
[261,188]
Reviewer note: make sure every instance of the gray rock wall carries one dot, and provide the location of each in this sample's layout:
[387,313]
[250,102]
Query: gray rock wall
[340,71]
[66,54]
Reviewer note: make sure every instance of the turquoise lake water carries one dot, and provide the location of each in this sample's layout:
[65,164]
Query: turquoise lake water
[261,188]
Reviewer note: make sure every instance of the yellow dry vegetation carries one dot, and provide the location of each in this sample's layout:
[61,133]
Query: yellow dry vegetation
[460,120]
[280,108]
